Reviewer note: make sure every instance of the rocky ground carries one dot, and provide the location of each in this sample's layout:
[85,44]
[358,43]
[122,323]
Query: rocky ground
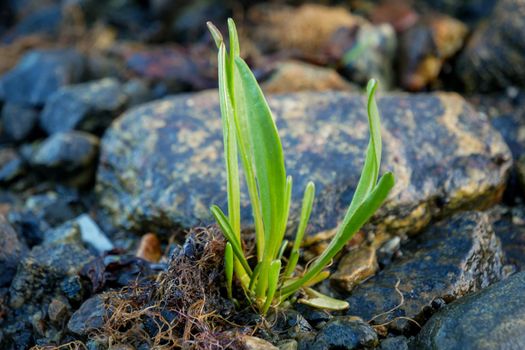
[111,154]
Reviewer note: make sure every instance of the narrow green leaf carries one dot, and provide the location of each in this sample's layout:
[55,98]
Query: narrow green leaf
[370,171]
[226,228]
[215,33]
[363,213]
[228,267]
[235,49]
[316,279]
[282,249]
[306,210]
[273,280]
[267,151]
[322,301]
[286,207]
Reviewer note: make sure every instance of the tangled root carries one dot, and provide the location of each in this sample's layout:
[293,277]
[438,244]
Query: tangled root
[183,308]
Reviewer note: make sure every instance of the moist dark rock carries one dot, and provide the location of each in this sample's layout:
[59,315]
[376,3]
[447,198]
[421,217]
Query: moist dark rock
[43,211]
[12,165]
[68,156]
[345,333]
[12,251]
[89,107]
[448,260]
[494,56]
[394,343]
[40,73]
[18,121]
[506,112]
[46,21]
[89,317]
[509,225]
[41,272]
[161,163]
[491,319]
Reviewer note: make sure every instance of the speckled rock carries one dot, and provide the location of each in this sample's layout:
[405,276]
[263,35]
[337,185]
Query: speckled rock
[492,319]
[509,225]
[40,73]
[18,121]
[12,250]
[494,56]
[345,333]
[89,317]
[291,76]
[394,343]
[41,272]
[89,107]
[161,164]
[450,259]
[68,156]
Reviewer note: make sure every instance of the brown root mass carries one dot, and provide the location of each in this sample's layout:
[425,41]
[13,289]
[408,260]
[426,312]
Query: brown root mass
[183,308]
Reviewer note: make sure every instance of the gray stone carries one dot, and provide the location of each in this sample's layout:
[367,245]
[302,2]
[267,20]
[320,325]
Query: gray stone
[92,234]
[89,107]
[12,166]
[448,260]
[12,250]
[89,317]
[161,164]
[18,121]
[494,57]
[40,73]
[41,272]
[493,319]
[68,156]
[345,333]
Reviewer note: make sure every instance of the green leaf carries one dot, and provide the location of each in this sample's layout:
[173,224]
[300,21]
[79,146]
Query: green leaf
[365,211]
[267,152]
[215,33]
[228,267]
[321,301]
[306,210]
[273,280]
[226,228]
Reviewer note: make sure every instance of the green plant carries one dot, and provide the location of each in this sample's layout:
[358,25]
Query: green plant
[250,132]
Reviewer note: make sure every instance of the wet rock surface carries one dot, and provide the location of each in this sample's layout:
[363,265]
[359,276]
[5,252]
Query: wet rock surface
[89,107]
[490,319]
[39,74]
[343,332]
[494,54]
[445,262]
[161,164]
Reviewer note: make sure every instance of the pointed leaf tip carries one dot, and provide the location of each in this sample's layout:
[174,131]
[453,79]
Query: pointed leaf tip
[215,33]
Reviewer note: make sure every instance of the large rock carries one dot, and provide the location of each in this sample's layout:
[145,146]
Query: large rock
[447,261]
[39,74]
[493,319]
[161,164]
[89,107]
[495,55]
[12,250]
